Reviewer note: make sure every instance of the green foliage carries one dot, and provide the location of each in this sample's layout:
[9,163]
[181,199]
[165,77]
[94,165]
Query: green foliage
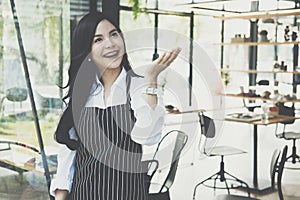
[22,129]
[135,7]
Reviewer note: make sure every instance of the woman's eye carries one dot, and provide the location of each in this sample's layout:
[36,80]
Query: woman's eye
[115,34]
[98,40]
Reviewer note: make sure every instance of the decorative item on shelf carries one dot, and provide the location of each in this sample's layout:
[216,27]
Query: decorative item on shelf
[238,38]
[251,93]
[268,21]
[263,36]
[275,90]
[225,76]
[294,36]
[283,67]
[266,94]
[286,33]
[290,97]
[275,95]
[277,66]
[172,109]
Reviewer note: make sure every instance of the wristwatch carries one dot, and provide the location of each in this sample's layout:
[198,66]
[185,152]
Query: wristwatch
[151,91]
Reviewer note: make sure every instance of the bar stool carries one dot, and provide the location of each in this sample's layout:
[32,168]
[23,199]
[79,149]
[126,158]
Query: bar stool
[208,132]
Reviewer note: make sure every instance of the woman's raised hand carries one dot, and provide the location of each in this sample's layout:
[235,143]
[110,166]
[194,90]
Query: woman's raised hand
[161,63]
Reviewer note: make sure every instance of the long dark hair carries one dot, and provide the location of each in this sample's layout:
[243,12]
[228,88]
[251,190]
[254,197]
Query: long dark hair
[82,38]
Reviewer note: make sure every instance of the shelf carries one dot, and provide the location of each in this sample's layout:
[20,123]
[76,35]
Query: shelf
[259,71]
[262,14]
[259,98]
[259,43]
[287,83]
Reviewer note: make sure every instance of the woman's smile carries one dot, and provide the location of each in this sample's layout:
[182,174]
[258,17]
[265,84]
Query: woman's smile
[111,54]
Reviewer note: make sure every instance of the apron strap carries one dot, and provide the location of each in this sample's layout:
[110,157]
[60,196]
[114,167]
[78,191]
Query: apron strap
[128,83]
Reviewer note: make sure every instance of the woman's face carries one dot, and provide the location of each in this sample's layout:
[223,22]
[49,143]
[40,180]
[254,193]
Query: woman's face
[107,46]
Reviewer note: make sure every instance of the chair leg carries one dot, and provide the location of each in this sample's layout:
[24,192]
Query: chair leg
[279,188]
[240,181]
[202,182]
[221,176]
[195,189]
[227,188]
[215,182]
[294,156]
[222,170]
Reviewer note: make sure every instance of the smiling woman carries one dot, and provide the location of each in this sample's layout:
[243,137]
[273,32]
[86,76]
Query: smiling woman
[111,114]
[108,46]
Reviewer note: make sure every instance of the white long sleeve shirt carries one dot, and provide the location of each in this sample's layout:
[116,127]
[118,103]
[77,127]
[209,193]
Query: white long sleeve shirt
[146,131]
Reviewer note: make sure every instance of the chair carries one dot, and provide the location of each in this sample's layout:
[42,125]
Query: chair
[148,167]
[277,168]
[21,158]
[9,156]
[160,191]
[208,132]
[288,135]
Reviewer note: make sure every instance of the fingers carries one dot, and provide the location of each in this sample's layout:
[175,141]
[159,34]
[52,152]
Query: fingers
[167,58]
[159,60]
[173,55]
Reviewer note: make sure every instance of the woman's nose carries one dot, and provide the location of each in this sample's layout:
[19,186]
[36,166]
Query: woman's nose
[109,43]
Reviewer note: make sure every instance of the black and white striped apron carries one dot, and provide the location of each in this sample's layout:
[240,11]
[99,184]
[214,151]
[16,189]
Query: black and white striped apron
[108,161]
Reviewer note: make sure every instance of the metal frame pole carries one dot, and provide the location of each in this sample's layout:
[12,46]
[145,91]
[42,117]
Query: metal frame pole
[191,57]
[30,92]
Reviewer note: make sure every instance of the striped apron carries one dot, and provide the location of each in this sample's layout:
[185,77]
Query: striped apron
[108,161]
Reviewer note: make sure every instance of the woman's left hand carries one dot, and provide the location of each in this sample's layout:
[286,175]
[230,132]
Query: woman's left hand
[161,63]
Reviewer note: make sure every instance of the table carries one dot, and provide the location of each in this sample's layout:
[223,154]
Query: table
[21,158]
[257,186]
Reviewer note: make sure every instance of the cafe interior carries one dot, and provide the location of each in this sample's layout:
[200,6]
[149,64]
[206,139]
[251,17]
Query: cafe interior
[231,98]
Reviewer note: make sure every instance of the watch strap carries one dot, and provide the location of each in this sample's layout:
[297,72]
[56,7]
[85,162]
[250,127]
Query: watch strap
[151,91]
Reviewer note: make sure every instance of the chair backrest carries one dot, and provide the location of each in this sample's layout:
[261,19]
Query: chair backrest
[208,131]
[179,145]
[181,140]
[285,110]
[207,125]
[147,166]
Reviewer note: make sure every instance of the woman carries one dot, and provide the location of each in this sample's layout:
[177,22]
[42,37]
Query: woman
[111,113]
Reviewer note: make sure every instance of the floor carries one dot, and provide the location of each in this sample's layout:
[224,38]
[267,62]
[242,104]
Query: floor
[193,166]
[13,188]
